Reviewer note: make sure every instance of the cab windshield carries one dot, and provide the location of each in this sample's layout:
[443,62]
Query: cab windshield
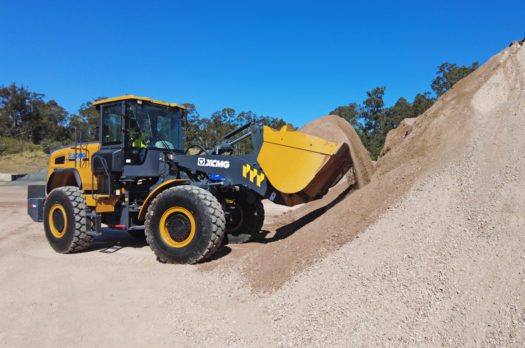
[155,126]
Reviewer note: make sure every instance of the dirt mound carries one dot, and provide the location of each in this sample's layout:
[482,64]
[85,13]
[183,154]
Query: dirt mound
[396,136]
[336,129]
[443,264]
[436,139]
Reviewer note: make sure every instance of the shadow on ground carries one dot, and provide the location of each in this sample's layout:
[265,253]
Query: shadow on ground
[113,240]
[287,230]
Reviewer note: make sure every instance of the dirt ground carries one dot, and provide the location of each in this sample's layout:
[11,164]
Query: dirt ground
[430,253]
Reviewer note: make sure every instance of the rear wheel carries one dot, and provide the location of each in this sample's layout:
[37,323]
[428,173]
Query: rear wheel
[246,216]
[184,224]
[65,221]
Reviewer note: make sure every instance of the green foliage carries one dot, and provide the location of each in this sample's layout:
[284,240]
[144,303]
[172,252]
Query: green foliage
[402,109]
[372,120]
[25,115]
[27,119]
[86,121]
[209,131]
[50,144]
[350,112]
[422,102]
[449,74]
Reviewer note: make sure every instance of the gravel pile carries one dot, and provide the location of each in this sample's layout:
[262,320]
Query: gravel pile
[445,265]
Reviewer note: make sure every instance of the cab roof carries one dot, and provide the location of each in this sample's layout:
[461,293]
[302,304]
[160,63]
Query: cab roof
[134,97]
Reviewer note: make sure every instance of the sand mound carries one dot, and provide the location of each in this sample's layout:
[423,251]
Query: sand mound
[396,136]
[335,128]
[444,264]
[437,138]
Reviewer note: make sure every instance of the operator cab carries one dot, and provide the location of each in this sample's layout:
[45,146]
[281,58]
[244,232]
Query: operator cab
[138,124]
[135,134]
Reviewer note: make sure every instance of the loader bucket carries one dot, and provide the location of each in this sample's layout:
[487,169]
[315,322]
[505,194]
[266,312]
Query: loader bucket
[301,167]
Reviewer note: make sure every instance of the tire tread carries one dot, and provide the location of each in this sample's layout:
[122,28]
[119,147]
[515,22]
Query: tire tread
[213,209]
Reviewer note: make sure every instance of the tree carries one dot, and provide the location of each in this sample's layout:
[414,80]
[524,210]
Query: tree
[86,121]
[350,112]
[274,122]
[16,110]
[373,108]
[402,109]
[449,74]
[26,115]
[422,102]
[192,125]
[53,119]
[372,120]
[209,131]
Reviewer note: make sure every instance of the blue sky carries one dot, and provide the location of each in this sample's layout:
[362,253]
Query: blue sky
[293,59]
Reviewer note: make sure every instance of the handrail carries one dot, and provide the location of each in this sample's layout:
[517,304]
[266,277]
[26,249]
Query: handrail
[106,170]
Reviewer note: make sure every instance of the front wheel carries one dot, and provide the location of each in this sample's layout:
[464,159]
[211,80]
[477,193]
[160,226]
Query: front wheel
[184,224]
[65,221]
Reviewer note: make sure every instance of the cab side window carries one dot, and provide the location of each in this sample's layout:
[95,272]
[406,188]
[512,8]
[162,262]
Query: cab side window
[136,147]
[112,124]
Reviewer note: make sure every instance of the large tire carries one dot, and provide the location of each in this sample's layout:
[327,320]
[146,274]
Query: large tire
[65,221]
[184,224]
[247,216]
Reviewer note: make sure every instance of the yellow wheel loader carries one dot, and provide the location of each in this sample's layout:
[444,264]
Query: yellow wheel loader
[140,178]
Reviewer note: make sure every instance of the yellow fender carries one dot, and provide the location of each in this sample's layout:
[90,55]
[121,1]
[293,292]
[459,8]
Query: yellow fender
[165,185]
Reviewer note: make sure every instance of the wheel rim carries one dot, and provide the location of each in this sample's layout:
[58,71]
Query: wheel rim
[177,227]
[57,220]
